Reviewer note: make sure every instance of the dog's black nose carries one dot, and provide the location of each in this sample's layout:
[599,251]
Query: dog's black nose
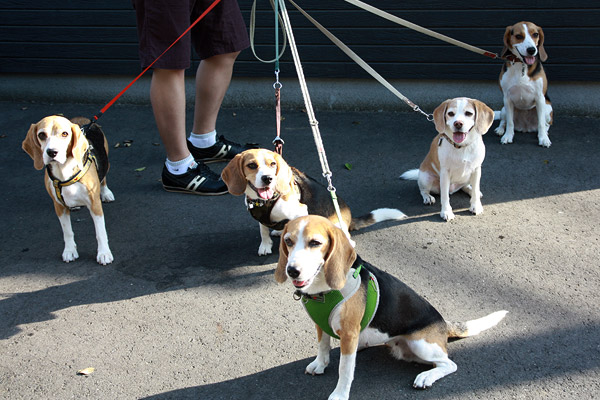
[458,124]
[52,153]
[266,179]
[531,50]
[293,272]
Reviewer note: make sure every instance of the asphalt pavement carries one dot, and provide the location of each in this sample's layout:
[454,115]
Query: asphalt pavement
[188,310]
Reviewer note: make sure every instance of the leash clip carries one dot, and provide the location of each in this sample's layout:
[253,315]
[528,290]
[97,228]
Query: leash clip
[277,84]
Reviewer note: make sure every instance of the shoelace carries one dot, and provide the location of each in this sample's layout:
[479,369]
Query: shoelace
[205,171]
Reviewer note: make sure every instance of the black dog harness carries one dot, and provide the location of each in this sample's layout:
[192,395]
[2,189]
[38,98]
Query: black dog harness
[261,211]
[96,153]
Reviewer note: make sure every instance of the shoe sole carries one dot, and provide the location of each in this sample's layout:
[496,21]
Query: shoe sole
[180,190]
[213,160]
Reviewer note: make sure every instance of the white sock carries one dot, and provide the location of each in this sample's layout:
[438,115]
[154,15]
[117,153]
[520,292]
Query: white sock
[203,140]
[181,166]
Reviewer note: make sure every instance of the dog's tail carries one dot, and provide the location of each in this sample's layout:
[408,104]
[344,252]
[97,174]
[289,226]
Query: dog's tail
[498,115]
[411,175]
[375,216]
[474,327]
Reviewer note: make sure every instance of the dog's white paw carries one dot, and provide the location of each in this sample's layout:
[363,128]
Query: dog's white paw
[428,199]
[544,141]
[106,195]
[317,367]
[476,209]
[276,233]
[426,379]
[265,249]
[507,138]
[338,396]
[69,255]
[104,257]
[499,130]
[447,215]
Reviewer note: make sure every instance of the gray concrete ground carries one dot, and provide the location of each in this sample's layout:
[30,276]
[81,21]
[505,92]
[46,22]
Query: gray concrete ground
[188,310]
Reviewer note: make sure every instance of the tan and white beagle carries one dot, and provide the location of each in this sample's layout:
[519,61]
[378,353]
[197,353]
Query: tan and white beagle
[455,155]
[318,258]
[523,81]
[276,193]
[76,166]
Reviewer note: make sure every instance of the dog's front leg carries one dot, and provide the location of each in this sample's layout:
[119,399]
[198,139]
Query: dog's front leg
[543,117]
[348,347]
[70,252]
[509,134]
[317,367]
[266,243]
[476,207]
[446,212]
[104,255]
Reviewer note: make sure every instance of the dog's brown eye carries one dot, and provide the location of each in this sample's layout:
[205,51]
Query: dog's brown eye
[288,242]
[451,114]
[469,114]
[314,243]
[252,166]
[520,37]
[64,134]
[535,35]
[273,164]
[42,135]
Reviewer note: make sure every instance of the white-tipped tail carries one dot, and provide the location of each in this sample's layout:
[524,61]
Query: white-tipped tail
[411,175]
[497,115]
[386,214]
[475,326]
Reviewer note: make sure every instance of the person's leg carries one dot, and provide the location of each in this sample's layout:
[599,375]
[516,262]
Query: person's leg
[167,95]
[212,81]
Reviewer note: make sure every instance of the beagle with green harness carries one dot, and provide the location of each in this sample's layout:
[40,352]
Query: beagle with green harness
[277,193]
[319,259]
[76,168]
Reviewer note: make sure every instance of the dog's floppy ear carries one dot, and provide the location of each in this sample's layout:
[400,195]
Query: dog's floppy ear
[32,147]
[285,177]
[507,46]
[280,274]
[541,50]
[233,176]
[79,144]
[339,258]
[484,117]
[439,117]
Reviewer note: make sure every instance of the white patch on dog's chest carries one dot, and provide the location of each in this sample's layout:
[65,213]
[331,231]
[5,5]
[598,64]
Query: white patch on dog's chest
[288,209]
[460,163]
[520,89]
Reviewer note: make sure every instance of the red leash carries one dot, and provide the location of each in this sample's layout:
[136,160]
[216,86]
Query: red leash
[110,103]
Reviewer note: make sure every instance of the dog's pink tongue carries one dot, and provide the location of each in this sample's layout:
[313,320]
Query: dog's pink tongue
[298,284]
[265,193]
[459,137]
[529,60]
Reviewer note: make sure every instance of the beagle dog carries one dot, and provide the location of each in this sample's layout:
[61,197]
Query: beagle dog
[76,167]
[276,193]
[375,307]
[455,155]
[527,107]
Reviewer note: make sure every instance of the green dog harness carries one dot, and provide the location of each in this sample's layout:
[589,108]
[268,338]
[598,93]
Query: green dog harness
[321,307]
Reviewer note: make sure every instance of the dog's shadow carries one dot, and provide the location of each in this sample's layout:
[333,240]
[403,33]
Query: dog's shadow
[198,260]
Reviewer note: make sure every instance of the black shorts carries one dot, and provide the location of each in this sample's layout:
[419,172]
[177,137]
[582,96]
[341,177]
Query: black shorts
[160,22]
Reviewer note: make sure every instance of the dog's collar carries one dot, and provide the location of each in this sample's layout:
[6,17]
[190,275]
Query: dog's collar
[452,142]
[58,184]
[251,203]
[261,211]
[321,307]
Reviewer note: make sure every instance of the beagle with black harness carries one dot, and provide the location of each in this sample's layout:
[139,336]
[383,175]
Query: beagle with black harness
[76,168]
[352,300]
[523,81]
[276,193]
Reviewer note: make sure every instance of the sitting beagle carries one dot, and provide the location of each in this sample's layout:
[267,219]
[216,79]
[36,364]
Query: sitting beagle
[276,193]
[363,306]
[455,155]
[76,167]
[527,107]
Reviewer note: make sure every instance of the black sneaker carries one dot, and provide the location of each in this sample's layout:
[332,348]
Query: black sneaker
[197,180]
[222,150]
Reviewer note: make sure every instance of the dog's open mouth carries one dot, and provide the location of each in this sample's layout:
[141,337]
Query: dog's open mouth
[302,284]
[265,193]
[529,60]
[459,137]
